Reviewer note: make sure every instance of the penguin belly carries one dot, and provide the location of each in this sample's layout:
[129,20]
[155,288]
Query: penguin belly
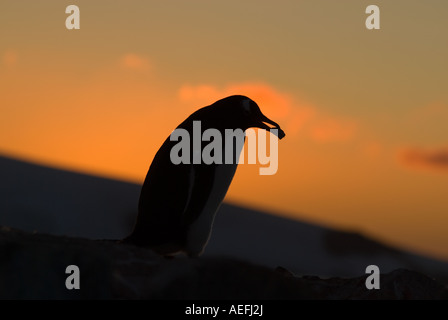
[199,231]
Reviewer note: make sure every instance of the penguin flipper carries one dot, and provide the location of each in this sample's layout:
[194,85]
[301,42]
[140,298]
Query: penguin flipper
[203,180]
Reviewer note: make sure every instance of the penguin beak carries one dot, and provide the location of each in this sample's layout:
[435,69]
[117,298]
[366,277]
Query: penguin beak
[262,124]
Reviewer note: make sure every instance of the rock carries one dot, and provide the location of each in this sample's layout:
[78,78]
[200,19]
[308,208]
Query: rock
[32,266]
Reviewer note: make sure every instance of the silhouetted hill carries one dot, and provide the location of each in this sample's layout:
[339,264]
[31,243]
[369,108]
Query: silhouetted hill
[47,200]
[32,266]
[39,198]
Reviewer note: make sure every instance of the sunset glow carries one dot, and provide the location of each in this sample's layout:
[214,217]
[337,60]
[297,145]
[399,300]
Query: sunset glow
[364,111]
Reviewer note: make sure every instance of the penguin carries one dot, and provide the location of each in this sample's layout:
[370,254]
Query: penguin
[178,202]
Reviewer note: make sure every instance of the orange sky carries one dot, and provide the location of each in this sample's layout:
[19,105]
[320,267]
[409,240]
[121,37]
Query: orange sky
[364,111]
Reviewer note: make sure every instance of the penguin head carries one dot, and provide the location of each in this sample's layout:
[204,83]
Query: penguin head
[247,114]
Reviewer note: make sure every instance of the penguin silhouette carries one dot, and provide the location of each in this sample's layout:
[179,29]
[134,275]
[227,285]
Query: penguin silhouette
[178,202]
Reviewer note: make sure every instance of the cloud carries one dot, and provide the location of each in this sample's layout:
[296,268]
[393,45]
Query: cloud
[200,93]
[10,58]
[133,61]
[419,158]
[294,116]
[333,130]
[300,119]
[274,103]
